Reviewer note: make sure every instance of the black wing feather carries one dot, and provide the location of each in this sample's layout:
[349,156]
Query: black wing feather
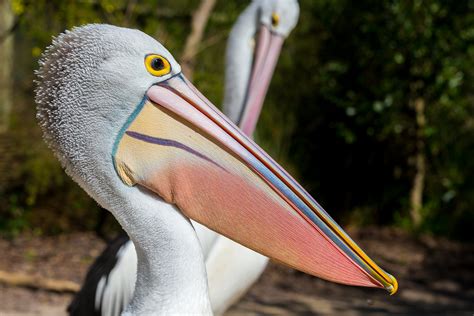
[83,304]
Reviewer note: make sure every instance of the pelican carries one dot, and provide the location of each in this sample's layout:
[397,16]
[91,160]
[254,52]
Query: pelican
[252,52]
[142,141]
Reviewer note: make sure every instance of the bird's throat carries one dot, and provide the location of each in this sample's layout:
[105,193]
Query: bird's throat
[171,276]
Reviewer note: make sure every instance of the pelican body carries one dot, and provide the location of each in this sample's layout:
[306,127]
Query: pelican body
[142,141]
[252,52]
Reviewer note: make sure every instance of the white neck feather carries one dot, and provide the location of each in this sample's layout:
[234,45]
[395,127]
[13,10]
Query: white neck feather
[171,276]
[239,60]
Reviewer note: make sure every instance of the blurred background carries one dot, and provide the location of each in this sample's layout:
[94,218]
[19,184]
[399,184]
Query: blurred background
[371,108]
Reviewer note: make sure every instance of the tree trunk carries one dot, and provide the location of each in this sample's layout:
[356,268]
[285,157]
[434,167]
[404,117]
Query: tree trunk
[416,194]
[6,86]
[6,55]
[198,25]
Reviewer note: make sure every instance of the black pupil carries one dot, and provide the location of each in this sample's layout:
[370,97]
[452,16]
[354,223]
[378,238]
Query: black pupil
[157,64]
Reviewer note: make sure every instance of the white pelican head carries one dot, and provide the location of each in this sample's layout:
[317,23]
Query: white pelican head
[90,78]
[252,53]
[279,16]
[135,134]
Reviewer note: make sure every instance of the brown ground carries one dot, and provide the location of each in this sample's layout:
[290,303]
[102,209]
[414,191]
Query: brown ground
[436,277]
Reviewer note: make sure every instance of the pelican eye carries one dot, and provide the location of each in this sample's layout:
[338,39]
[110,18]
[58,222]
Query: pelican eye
[275,19]
[157,65]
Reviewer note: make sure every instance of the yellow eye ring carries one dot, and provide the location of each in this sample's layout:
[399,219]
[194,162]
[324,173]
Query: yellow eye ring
[275,19]
[157,65]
